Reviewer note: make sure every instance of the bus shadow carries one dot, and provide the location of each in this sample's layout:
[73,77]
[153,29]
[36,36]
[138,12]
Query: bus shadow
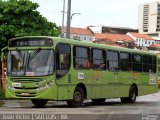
[111,103]
[91,104]
[85,105]
[88,104]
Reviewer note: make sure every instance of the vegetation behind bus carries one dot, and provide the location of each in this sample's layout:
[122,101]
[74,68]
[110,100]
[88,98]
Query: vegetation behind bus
[21,18]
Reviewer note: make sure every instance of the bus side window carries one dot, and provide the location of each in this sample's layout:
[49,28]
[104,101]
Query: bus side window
[112,60]
[137,62]
[149,63]
[98,59]
[145,63]
[63,60]
[81,58]
[154,64]
[158,72]
[125,61]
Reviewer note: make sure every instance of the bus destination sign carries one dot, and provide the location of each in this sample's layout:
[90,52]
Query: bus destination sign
[30,42]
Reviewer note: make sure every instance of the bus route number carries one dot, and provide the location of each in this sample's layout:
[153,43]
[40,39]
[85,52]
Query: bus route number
[152,79]
[80,76]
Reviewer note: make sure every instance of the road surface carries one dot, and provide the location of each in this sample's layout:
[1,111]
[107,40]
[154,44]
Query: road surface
[146,108]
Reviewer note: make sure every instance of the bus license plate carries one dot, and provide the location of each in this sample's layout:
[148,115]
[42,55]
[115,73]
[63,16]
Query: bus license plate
[16,84]
[24,94]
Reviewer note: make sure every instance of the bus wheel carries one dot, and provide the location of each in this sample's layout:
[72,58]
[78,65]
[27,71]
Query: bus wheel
[78,98]
[132,96]
[39,102]
[124,100]
[98,101]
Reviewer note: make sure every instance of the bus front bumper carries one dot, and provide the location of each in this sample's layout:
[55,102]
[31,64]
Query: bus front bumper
[50,93]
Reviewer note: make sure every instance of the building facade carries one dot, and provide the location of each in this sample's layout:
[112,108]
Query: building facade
[149,18]
[111,29]
[141,40]
[81,34]
[114,40]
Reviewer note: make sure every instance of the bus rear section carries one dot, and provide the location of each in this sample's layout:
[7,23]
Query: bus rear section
[158,69]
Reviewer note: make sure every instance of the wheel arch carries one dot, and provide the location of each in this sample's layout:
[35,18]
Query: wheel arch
[83,88]
[135,85]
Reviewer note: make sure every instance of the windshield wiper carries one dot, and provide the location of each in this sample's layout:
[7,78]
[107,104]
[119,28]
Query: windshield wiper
[19,54]
[34,54]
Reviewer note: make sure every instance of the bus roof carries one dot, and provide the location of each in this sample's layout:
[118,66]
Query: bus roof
[102,46]
[88,44]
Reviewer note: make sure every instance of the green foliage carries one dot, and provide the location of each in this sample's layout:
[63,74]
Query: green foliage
[20,18]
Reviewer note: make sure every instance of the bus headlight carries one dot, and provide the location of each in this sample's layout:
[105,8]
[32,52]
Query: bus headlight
[11,87]
[46,86]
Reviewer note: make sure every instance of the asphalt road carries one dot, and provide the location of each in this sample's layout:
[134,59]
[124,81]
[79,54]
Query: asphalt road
[146,108]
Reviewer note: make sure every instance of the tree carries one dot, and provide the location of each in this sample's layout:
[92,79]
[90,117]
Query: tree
[20,18]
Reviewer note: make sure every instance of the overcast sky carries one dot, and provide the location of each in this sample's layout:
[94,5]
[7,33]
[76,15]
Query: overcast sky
[120,13]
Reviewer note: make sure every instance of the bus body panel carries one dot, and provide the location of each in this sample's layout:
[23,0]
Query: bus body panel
[98,83]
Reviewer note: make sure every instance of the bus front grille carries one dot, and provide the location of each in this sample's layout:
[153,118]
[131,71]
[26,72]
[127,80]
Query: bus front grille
[26,88]
[26,80]
[20,94]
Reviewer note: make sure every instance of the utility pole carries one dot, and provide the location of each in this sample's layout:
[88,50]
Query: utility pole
[68,20]
[63,12]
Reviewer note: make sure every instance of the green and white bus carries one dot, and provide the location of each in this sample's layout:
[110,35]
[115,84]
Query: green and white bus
[49,68]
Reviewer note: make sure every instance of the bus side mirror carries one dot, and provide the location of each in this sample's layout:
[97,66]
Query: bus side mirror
[2,57]
[3,54]
[61,59]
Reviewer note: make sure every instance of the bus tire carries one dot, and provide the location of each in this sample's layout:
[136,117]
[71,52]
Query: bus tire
[124,100]
[78,98]
[39,102]
[98,101]
[132,96]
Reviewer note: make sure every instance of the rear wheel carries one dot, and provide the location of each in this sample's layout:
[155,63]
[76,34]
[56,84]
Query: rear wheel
[124,100]
[39,102]
[98,101]
[78,98]
[132,96]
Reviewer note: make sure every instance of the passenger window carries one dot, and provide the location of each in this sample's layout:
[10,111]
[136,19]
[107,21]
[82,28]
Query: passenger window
[154,64]
[145,63]
[81,58]
[149,63]
[137,62]
[112,60]
[98,59]
[125,62]
[62,60]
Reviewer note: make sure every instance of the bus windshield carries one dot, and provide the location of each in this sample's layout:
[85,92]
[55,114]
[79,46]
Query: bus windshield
[30,62]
